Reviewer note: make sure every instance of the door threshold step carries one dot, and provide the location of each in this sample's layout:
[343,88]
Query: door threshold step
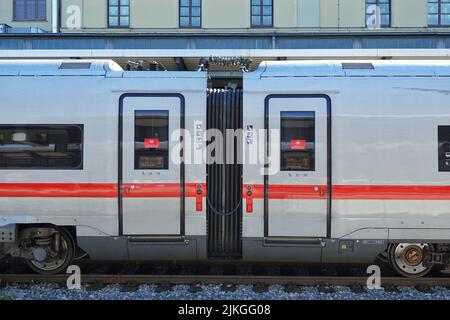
[158,239]
[294,241]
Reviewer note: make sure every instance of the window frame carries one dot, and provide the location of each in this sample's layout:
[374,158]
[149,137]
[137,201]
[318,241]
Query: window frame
[261,16]
[439,16]
[119,26]
[377,3]
[36,11]
[190,26]
[79,168]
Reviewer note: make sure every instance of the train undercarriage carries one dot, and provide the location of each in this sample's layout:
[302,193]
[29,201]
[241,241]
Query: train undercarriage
[51,249]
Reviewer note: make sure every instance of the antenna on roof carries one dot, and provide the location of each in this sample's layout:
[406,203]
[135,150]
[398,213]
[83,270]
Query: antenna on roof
[140,65]
[242,62]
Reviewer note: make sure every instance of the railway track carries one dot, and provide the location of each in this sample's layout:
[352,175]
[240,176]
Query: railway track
[109,279]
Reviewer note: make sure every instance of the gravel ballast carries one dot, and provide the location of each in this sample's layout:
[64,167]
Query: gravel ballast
[213,292]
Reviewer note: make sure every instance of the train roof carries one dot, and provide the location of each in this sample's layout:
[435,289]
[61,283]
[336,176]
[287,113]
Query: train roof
[376,68]
[267,69]
[57,67]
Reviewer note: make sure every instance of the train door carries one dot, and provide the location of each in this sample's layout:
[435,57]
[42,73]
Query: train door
[151,182]
[297,186]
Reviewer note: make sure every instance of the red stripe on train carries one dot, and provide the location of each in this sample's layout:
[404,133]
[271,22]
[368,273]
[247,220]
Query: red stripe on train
[373,192]
[95,190]
[161,190]
[286,192]
[154,190]
[58,190]
[167,190]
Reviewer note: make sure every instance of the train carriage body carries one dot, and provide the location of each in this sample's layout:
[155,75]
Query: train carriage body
[361,164]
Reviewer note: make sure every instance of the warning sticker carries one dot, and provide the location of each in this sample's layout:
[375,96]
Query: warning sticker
[298,144]
[151,143]
[198,125]
[250,134]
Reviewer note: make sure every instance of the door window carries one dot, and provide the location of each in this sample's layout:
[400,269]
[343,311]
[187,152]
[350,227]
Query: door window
[444,148]
[151,142]
[297,141]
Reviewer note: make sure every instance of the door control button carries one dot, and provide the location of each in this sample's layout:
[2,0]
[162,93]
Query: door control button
[199,204]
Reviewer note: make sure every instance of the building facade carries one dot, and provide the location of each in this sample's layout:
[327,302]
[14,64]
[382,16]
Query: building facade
[179,33]
[230,15]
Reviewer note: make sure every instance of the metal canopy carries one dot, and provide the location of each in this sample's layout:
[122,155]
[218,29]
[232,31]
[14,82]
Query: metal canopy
[182,51]
[209,40]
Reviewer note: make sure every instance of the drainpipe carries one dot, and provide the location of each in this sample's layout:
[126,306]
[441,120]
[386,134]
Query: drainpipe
[55,16]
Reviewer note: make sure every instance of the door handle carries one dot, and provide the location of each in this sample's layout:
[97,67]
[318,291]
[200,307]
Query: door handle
[129,188]
[319,190]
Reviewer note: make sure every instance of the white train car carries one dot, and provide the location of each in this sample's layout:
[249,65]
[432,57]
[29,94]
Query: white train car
[355,165]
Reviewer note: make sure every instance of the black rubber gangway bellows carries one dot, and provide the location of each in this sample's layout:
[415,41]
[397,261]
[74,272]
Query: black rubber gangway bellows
[224,181]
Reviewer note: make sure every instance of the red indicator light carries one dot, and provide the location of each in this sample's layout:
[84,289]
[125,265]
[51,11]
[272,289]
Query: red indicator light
[298,144]
[151,143]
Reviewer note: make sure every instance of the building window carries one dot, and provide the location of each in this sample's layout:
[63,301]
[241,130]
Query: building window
[34,147]
[378,13]
[151,140]
[190,13]
[439,13]
[262,13]
[118,13]
[30,9]
[298,141]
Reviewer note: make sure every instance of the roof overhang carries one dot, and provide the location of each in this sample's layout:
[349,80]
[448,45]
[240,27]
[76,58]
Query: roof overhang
[168,48]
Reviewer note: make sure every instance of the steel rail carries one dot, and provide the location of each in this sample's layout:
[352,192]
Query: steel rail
[225,279]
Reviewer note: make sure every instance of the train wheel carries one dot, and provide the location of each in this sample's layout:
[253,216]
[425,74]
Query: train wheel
[54,265]
[407,259]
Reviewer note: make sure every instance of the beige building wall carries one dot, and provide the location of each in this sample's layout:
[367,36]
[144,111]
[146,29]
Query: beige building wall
[329,13]
[409,13]
[226,14]
[308,13]
[154,14]
[148,15]
[351,13]
[342,13]
[284,13]
[6,16]
[95,14]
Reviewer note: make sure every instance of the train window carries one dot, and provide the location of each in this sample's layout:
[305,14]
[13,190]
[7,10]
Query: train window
[151,145]
[444,148]
[37,147]
[298,141]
